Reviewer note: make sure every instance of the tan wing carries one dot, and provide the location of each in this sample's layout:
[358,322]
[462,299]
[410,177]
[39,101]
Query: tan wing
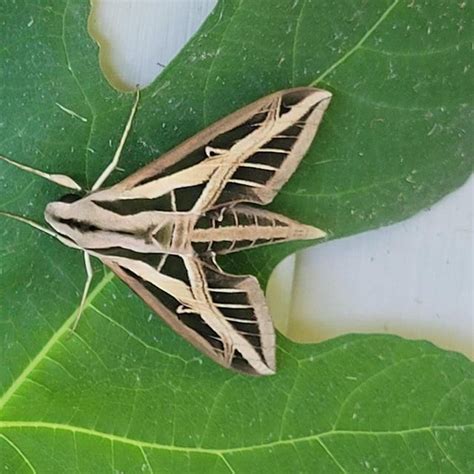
[223,315]
[247,156]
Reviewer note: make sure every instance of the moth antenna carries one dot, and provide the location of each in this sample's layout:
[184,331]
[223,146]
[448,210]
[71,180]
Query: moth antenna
[39,227]
[51,233]
[113,164]
[30,223]
[60,179]
[90,274]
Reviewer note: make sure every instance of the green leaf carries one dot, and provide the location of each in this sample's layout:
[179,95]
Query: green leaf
[124,393]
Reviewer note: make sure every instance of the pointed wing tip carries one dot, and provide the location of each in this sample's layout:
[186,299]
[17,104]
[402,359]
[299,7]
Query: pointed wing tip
[270,365]
[262,372]
[267,373]
[322,94]
[316,233]
[311,233]
[270,371]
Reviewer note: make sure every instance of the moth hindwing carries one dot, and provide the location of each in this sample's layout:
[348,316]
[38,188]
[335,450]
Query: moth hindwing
[160,229]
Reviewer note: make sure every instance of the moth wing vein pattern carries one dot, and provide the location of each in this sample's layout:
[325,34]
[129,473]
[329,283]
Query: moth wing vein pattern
[160,229]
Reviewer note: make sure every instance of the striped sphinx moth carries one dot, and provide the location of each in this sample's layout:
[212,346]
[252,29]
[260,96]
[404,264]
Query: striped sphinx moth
[160,229]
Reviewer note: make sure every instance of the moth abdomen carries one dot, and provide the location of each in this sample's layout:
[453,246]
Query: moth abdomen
[241,227]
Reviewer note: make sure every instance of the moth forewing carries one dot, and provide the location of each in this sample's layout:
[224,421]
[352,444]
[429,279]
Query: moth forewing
[160,229]
[201,140]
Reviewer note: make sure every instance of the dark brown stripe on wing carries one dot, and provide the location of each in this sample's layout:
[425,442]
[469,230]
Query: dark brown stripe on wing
[174,267]
[234,305]
[192,158]
[186,197]
[152,259]
[240,363]
[126,207]
[191,320]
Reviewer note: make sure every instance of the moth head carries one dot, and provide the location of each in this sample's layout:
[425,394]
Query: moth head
[59,210]
[61,215]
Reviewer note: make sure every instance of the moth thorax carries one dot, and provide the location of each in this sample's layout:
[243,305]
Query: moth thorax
[61,216]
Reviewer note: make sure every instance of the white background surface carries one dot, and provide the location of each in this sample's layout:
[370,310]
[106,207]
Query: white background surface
[414,278]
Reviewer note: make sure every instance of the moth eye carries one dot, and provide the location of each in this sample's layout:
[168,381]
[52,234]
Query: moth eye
[70,198]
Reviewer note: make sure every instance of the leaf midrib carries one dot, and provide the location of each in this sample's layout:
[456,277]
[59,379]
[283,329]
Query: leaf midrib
[52,341]
[146,444]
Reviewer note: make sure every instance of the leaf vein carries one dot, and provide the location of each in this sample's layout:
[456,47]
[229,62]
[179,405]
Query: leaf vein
[358,45]
[211,66]
[135,337]
[73,74]
[190,449]
[42,354]
[19,451]
[329,453]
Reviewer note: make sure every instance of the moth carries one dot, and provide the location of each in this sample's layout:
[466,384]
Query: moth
[161,229]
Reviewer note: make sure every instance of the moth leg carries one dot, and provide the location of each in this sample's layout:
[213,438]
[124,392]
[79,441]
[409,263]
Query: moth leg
[182,309]
[87,261]
[113,164]
[60,179]
[213,259]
